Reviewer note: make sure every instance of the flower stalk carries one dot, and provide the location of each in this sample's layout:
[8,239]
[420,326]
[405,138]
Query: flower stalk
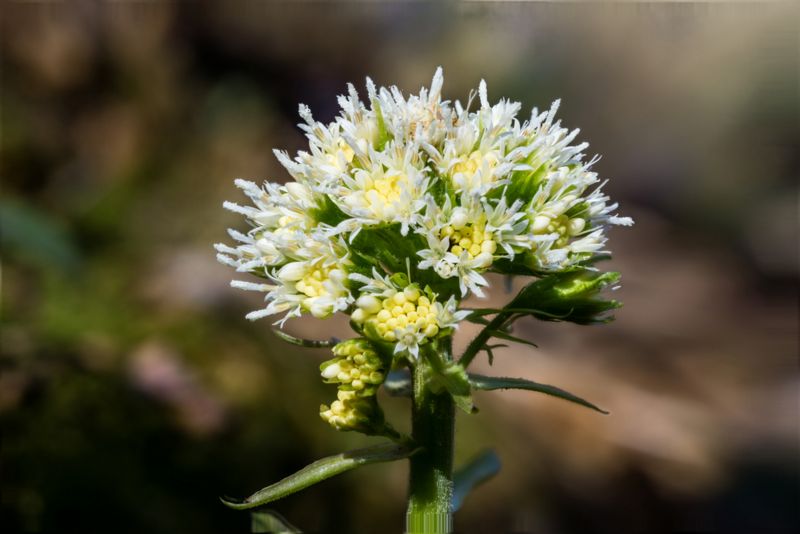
[431,473]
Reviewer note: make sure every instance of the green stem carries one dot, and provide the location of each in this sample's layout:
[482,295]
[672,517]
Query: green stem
[431,479]
[483,336]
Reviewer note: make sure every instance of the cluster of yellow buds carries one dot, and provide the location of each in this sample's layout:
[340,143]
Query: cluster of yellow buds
[356,367]
[472,239]
[351,412]
[358,370]
[399,311]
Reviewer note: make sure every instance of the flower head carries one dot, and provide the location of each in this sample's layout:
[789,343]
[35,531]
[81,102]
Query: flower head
[439,192]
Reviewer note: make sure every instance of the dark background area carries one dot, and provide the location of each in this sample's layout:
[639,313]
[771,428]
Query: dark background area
[133,393]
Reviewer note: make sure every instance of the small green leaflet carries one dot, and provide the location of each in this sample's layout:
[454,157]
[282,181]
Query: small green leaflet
[321,470]
[489,383]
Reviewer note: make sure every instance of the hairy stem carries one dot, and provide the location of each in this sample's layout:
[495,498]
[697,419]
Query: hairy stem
[431,477]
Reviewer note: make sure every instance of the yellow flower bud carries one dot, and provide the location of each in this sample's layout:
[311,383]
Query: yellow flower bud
[369,304]
[411,293]
[358,316]
[431,330]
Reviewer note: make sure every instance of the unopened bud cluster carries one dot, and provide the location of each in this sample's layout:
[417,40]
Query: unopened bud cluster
[356,367]
[351,412]
[472,239]
[358,370]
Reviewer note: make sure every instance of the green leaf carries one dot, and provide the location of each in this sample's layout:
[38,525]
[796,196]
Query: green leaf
[472,474]
[271,521]
[322,470]
[308,343]
[489,383]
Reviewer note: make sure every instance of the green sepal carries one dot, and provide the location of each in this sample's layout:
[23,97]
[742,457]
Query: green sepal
[321,470]
[440,188]
[489,383]
[400,280]
[475,472]
[383,133]
[524,184]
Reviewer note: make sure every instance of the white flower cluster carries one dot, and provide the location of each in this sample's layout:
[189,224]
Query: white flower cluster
[438,191]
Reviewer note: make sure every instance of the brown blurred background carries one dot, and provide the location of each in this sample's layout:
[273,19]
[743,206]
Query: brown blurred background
[133,393]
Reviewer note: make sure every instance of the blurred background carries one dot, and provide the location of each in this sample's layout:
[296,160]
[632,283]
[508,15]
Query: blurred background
[133,393]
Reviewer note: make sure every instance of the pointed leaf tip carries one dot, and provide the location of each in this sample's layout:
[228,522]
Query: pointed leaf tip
[489,383]
[321,470]
[308,343]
